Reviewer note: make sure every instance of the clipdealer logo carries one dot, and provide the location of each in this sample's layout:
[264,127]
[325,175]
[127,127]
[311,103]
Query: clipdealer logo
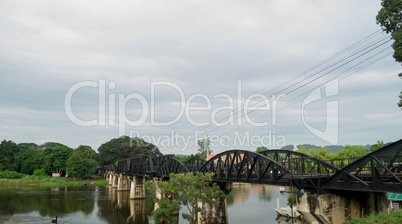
[112,112]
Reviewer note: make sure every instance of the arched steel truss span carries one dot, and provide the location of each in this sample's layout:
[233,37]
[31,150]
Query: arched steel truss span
[247,166]
[379,171]
[300,163]
[171,165]
[194,165]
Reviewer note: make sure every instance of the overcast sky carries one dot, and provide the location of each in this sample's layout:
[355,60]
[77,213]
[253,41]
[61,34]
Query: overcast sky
[84,72]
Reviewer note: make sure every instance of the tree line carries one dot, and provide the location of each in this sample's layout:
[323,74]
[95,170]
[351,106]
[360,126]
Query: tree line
[83,161]
[348,151]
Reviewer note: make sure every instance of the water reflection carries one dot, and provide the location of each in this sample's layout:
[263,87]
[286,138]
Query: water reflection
[120,209]
[245,204]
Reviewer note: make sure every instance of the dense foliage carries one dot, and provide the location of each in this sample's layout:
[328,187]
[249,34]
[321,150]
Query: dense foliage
[390,19]
[53,157]
[188,190]
[83,162]
[123,148]
[348,151]
[381,218]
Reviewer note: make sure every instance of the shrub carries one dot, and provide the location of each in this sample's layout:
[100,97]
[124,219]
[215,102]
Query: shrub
[380,218]
[40,173]
[11,175]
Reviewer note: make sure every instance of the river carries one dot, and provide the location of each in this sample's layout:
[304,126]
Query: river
[251,204]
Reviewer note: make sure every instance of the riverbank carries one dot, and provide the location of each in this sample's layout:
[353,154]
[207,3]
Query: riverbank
[52,181]
[385,218]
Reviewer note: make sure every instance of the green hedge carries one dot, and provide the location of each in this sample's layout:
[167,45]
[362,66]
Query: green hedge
[381,218]
[11,175]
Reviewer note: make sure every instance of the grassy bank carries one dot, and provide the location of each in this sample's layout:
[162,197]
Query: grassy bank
[51,181]
[380,218]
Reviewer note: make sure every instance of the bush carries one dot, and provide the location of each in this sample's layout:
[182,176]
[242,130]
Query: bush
[40,173]
[11,175]
[380,218]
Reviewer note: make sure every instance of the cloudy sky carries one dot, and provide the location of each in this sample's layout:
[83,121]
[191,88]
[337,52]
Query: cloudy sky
[84,72]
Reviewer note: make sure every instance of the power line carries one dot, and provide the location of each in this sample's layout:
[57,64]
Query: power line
[294,86]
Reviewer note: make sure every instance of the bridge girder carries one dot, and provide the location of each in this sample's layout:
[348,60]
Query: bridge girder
[246,166]
[171,165]
[194,165]
[379,171]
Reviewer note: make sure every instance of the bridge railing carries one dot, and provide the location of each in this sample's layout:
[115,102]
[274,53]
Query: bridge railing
[341,163]
[309,167]
[390,162]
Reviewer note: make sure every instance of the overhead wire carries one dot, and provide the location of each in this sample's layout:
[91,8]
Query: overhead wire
[293,85]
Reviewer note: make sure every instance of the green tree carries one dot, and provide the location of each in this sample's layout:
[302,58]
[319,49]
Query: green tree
[187,190]
[390,19]
[350,151]
[261,149]
[55,159]
[50,145]
[9,159]
[202,148]
[378,145]
[28,146]
[30,160]
[323,153]
[119,148]
[83,162]
[400,96]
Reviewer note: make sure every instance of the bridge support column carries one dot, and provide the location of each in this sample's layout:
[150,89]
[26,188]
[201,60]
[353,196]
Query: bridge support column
[122,199]
[123,184]
[226,187]
[215,214]
[114,180]
[339,206]
[137,212]
[110,178]
[137,190]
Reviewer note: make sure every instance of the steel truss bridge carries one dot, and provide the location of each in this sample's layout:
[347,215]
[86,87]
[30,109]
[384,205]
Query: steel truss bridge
[379,171]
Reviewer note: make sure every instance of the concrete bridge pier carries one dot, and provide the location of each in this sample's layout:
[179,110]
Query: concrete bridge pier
[122,199]
[110,175]
[216,214]
[122,183]
[137,212]
[137,189]
[106,175]
[340,206]
[114,180]
[158,194]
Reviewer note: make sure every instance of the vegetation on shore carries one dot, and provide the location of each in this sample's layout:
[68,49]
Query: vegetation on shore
[380,218]
[53,157]
[50,181]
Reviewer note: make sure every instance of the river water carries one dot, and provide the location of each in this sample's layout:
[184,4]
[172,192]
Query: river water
[251,204]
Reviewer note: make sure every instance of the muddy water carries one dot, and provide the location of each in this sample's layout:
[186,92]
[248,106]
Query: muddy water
[245,204]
